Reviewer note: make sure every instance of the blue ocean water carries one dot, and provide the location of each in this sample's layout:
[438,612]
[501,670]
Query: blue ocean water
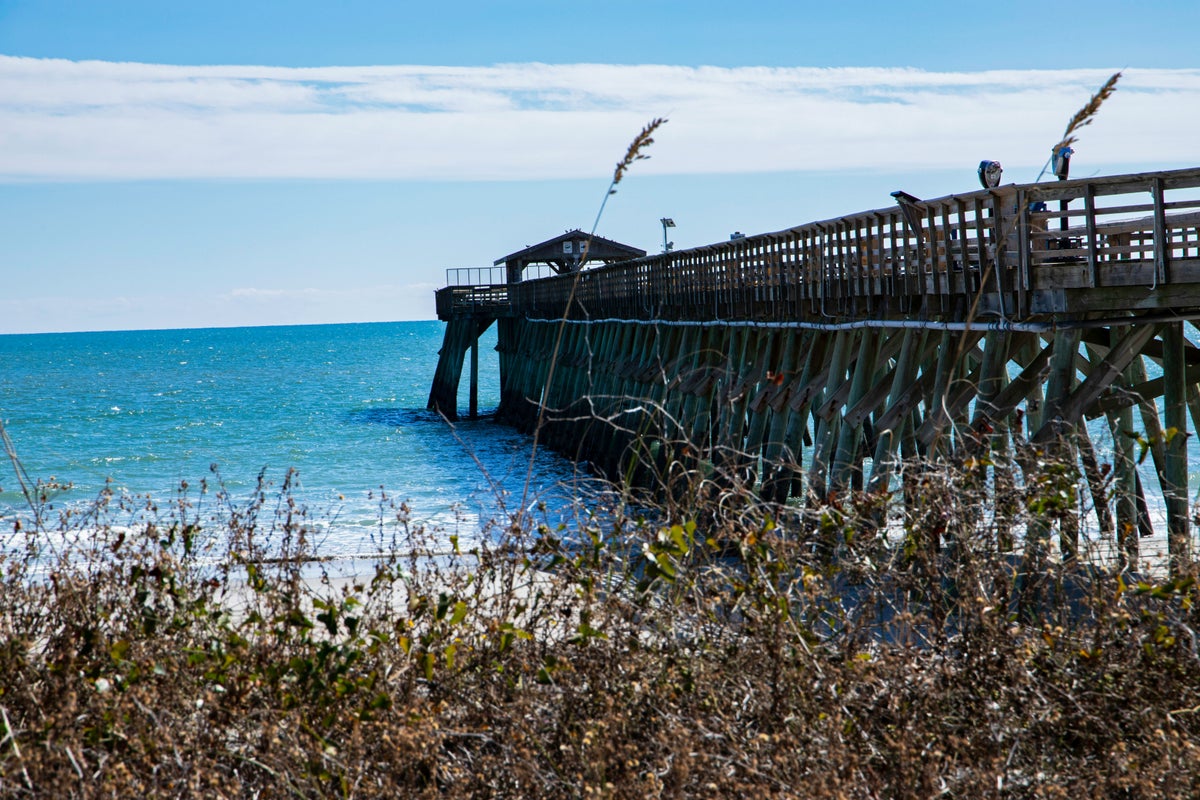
[344,405]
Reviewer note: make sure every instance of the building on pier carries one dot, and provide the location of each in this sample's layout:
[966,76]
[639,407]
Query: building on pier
[568,253]
[476,296]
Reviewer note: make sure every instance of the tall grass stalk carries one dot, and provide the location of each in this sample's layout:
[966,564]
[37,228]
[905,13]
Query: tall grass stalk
[636,151]
[1081,119]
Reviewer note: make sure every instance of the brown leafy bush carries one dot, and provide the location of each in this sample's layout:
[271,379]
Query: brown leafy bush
[175,653]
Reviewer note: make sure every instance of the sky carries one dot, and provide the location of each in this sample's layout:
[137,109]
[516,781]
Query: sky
[197,164]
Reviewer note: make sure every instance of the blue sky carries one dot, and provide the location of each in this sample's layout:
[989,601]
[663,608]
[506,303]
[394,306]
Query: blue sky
[218,163]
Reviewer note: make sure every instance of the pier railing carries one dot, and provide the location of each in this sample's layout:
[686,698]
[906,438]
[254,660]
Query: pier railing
[1092,244]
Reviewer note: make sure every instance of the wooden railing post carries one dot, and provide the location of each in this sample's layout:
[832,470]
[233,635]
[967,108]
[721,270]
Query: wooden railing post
[1162,242]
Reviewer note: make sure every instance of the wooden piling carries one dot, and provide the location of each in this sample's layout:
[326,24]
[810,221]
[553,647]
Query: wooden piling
[473,399]
[1175,489]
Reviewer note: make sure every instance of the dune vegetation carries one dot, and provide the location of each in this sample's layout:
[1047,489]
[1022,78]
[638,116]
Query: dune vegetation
[715,647]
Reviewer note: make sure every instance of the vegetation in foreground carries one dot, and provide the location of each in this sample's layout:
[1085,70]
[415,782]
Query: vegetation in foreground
[173,653]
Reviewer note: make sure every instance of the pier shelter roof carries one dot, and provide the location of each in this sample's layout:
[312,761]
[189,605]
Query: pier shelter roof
[565,253]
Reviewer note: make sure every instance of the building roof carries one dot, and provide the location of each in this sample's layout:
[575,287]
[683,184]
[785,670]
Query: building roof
[551,251]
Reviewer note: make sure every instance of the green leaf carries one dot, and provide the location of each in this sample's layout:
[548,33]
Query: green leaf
[585,632]
[295,617]
[678,537]
[665,565]
[545,674]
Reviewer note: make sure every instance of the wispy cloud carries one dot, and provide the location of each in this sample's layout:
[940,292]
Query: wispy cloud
[63,120]
[189,308]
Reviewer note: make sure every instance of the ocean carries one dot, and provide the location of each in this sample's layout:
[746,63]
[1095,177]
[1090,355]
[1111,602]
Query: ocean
[143,412]
[343,405]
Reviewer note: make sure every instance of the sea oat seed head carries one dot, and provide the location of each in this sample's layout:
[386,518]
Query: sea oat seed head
[640,142]
[1084,116]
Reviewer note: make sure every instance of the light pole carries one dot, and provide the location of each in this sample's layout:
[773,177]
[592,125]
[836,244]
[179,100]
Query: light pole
[1060,162]
[667,222]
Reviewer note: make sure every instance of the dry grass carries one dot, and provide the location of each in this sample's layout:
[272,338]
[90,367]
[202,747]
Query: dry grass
[732,656]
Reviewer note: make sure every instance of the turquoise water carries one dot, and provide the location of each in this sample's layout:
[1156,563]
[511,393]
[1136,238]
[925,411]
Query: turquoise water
[344,405]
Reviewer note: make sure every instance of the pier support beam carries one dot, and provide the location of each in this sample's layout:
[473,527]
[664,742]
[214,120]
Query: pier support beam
[1120,423]
[473,402]
[1175,474]
[461,334]
[887,441]
[681,409]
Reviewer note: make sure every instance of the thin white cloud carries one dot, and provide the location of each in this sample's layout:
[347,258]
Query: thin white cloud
[63,120]
[188,308]
[388,293]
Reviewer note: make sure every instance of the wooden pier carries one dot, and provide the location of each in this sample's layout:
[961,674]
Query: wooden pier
[810,361]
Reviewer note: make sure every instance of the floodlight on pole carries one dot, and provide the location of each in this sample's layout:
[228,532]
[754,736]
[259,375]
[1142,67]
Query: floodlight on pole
[667,222]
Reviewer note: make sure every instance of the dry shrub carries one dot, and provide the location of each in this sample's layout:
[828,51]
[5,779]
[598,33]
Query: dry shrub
[757,652]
